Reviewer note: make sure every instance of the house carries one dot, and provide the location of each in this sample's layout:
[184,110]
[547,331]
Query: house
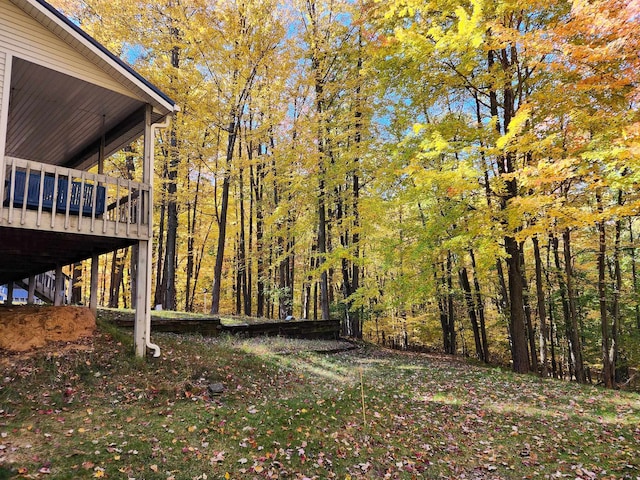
[66,104]
[15,295]
[37,290]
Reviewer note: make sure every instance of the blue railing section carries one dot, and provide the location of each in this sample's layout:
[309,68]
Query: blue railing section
[39,195]
[80,197]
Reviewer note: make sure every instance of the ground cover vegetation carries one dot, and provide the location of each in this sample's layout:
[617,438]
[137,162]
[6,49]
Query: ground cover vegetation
[460,175]
[299,409]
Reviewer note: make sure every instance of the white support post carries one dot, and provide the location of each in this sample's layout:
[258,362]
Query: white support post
[143,304]
[142,324]
[59,290]
[32,290]
[93,290]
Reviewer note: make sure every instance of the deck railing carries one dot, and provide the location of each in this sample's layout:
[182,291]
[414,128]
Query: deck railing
[65,199]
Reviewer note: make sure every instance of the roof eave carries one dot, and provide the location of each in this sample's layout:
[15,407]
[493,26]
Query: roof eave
[158,98]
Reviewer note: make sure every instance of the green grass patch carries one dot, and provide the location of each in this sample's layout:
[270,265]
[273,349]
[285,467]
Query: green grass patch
[95,411]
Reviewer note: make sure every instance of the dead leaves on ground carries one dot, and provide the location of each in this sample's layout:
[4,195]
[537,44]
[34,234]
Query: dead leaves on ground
[99,415]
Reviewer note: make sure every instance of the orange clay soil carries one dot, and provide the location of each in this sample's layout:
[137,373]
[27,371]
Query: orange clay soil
[23,328]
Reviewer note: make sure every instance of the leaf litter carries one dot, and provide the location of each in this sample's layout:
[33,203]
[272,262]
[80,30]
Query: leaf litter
[289,410]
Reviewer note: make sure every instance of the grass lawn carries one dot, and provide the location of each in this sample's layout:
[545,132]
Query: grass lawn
[289,411]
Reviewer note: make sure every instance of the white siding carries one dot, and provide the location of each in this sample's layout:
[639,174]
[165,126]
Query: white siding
[3,61]
[21,34]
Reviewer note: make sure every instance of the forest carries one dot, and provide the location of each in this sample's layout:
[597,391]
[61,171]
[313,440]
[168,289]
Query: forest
[461,176]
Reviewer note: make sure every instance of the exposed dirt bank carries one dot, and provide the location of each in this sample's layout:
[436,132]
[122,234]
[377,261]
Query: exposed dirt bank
[23,328]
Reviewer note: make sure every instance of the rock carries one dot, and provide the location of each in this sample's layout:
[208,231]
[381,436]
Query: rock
[25,327]
[215,388]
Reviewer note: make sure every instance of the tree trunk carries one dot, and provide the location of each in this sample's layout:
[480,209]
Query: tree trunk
[192,208]
[222,220]
[471,311]
[533,355]
[552,342]
[634,275]
[607,368]
[76,283]
[171,254]
[103,289]
[258,194]
[158,298]
[450,310]
[505,165]
[541,304]
[117,273]
[319,76]
[480,306]
[614,356]
[574,334]
[242,254]
[133,275]
[519,349]
[445,306]
[322,251]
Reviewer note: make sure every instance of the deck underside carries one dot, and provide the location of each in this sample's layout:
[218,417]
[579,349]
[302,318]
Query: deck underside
[26,252]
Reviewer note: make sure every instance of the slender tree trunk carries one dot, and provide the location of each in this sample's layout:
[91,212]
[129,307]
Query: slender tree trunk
[442,307]
[117,277]
[574,334]
[614,356]
[552,342]
[103,289]
[541,303]
[122,291]
[607,368]
[222,223]
[322,251]
[450,309]
[133,275]
[133,258]
[258,193]
[471,311]
[158,298]
[242,254]
[192,208]
[634,275]
[562,287]
[503,299]
[171,252]
[533,356]
[76,282]
[306,288]
[445,306]
[319,77]
[480,306]
[315,300]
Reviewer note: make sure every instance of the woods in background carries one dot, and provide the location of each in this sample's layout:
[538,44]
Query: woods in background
[453,175]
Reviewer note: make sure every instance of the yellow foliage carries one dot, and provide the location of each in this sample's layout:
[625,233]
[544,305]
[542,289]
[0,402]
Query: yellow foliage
[516,125]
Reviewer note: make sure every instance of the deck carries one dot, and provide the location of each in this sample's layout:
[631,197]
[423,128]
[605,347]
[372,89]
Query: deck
[44,197]
[51,215]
